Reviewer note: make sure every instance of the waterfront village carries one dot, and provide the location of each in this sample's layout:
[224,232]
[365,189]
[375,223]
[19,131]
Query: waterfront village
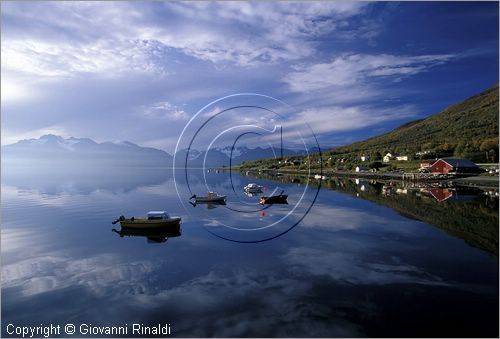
[396,174]
[389,163]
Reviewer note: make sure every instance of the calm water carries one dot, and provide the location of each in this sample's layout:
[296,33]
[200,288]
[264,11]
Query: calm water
[348,259]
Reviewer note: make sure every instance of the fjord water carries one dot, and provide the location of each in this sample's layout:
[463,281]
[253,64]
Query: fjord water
[366,260]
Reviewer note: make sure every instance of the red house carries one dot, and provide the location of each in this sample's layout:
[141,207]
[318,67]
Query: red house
[445,166]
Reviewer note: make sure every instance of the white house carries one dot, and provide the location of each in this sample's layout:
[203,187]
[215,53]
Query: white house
[361,168]
[365,158]
[402,158]
[388,157]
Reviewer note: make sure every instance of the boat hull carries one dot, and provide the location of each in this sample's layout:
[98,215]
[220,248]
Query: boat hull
[149,224]
[277,199]
[207,199]
[253,190]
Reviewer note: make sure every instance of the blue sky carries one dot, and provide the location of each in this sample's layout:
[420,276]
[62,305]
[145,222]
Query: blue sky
[139,71]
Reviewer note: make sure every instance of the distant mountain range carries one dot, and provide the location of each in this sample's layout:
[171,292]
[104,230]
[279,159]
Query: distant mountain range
[221,156]
[55,148]
[52,148]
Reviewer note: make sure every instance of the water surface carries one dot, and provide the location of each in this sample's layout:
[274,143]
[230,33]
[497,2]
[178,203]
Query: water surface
[366,259]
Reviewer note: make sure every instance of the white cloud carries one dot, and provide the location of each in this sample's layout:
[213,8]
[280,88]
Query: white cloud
[337,118]
[105,57]
[350,69]
[60,39]
[64,39]
[252,33]
[105,60]
[165,110]
[340,94]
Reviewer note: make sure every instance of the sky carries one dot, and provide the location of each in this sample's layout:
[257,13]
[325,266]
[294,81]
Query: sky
[139,71]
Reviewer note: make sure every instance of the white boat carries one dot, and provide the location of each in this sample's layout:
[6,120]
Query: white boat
[154,219]
[253,188]
[210,197]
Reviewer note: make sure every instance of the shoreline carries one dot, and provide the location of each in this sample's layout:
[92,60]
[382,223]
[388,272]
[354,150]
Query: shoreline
[464,180]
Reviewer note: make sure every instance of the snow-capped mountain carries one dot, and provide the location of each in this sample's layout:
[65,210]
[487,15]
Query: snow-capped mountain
[222,156]
[52,148]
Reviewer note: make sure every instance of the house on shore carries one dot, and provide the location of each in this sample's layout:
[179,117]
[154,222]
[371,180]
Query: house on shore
[426,166]
[394,156]
[361,168]
[459,166]
[388,157]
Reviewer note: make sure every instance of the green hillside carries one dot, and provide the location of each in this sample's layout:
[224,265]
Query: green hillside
[468,129]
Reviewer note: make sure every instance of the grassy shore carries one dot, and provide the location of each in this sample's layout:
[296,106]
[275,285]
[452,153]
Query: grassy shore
[471,181]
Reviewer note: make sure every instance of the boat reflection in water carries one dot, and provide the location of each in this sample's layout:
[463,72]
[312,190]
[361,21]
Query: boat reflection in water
[210,204]
[153,235]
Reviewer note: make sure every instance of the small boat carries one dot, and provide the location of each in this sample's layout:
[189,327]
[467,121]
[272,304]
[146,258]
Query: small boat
[210,197]
[275,199]
[253,188]
[154,219]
